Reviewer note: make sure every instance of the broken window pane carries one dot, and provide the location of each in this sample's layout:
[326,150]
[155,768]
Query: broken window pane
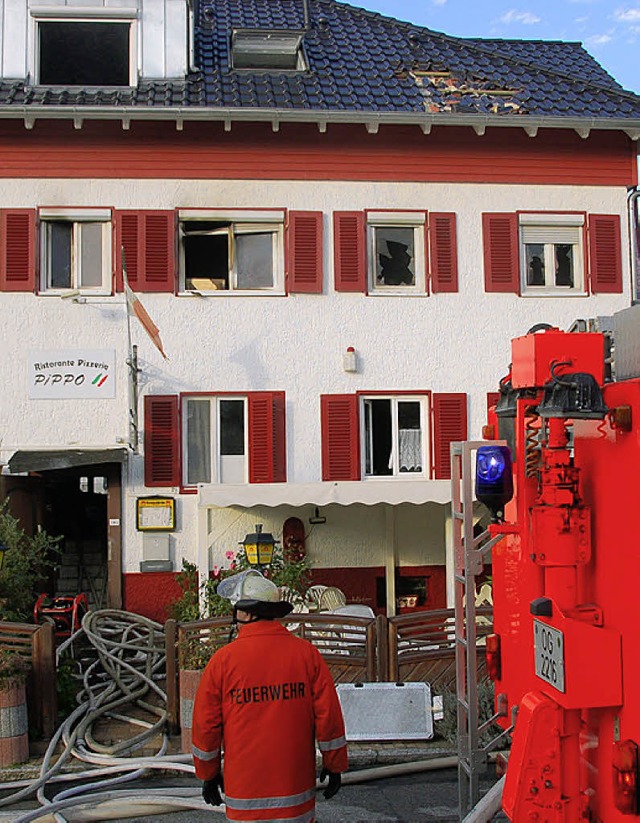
[535,264]
[84,53]
[564,264]
[227,255]
[206,255]
[395,256]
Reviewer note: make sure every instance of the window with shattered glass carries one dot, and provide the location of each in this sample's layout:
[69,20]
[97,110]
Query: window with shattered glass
[551,254]
[396,253]
[229,256]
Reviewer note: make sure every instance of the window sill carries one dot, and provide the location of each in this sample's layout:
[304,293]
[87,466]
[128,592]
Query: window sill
[233,293]
[403,476]
[554,293]
[398,293]
[74,294]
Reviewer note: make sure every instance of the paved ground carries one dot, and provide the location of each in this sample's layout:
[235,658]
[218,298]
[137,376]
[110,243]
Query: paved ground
[420,798]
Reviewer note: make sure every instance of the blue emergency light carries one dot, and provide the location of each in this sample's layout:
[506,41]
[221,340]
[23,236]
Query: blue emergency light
[494,478]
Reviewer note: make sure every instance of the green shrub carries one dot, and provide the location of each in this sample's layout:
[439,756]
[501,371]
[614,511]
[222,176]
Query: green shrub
[27,561]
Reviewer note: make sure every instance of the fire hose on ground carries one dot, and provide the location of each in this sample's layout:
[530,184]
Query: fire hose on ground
[129,664]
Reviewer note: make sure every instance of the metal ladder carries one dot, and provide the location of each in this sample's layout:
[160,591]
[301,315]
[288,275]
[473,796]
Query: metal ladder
[469,560]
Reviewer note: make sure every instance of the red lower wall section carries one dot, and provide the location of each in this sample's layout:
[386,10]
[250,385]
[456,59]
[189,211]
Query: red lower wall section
[367,585]
[150,594]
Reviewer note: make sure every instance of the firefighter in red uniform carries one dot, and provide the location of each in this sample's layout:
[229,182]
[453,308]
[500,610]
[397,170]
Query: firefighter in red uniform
[265,699]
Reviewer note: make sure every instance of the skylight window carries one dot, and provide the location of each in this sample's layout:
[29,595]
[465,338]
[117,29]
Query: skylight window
[261,49]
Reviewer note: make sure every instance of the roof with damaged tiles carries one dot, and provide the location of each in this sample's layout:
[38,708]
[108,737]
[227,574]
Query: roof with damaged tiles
[362,62]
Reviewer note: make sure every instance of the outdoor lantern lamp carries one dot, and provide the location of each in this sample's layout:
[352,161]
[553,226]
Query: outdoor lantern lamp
[258,547]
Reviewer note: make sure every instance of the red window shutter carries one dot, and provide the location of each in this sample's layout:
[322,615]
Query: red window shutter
[148,239]
[159,251]
[501,256]
[605,254]
[267,437]
[340,437]
[349,251]
[305,270]
[127,246]
[18,250]
[443,249]
[161,440]
[449,425]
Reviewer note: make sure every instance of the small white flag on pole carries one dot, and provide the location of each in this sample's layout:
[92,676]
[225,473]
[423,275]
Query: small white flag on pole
[135,306]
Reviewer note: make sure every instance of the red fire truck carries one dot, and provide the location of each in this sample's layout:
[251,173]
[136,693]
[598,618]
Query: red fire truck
[565,495]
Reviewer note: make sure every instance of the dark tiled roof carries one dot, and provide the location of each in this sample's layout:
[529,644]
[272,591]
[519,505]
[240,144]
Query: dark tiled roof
[360,61]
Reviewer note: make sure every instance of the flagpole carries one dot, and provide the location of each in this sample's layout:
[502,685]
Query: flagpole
[132,363]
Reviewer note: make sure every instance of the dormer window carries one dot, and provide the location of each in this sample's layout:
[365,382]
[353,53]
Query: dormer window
[91,50]
[267,50]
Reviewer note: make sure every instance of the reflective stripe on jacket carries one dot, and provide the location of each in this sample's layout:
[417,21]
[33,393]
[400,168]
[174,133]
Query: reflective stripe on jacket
[269,695]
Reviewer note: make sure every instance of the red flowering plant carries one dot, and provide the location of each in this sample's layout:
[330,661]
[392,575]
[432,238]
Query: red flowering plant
[288,569]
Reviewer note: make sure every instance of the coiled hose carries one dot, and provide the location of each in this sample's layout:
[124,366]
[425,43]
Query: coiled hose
[120,684]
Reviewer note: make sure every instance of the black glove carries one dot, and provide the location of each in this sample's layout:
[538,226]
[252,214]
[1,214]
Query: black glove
[211,790]
[333,786]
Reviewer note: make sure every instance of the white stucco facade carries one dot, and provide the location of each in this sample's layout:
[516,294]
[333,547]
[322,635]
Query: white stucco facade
[458,342]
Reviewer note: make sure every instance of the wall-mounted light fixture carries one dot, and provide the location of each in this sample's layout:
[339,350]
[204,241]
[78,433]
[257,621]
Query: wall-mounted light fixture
[317,519]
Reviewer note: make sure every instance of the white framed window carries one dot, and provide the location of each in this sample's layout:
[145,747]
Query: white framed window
[396,252]
[551,254]
[227,252]
[215,438]
[76,250]
[92,46]
[395,436]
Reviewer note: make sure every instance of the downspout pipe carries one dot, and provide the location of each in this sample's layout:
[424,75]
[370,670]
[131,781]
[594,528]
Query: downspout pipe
[634,242]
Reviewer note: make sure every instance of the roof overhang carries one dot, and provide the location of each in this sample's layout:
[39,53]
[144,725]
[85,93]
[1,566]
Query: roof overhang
[346,493]
[275,117]
[45,460]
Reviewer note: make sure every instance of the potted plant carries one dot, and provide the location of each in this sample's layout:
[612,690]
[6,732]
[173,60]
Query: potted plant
[13,707]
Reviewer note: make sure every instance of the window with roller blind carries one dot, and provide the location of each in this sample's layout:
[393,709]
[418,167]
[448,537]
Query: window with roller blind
[546,254]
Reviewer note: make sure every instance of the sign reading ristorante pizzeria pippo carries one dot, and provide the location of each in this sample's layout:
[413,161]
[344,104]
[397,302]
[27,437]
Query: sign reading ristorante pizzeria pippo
[72,374]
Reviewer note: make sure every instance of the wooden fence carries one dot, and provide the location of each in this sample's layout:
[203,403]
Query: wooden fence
[411,647]
[36,644]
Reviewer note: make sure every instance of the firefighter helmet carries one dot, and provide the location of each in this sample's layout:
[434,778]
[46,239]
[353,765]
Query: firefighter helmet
[252,592]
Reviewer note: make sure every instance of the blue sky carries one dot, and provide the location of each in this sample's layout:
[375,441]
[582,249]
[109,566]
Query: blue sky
[608,29]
